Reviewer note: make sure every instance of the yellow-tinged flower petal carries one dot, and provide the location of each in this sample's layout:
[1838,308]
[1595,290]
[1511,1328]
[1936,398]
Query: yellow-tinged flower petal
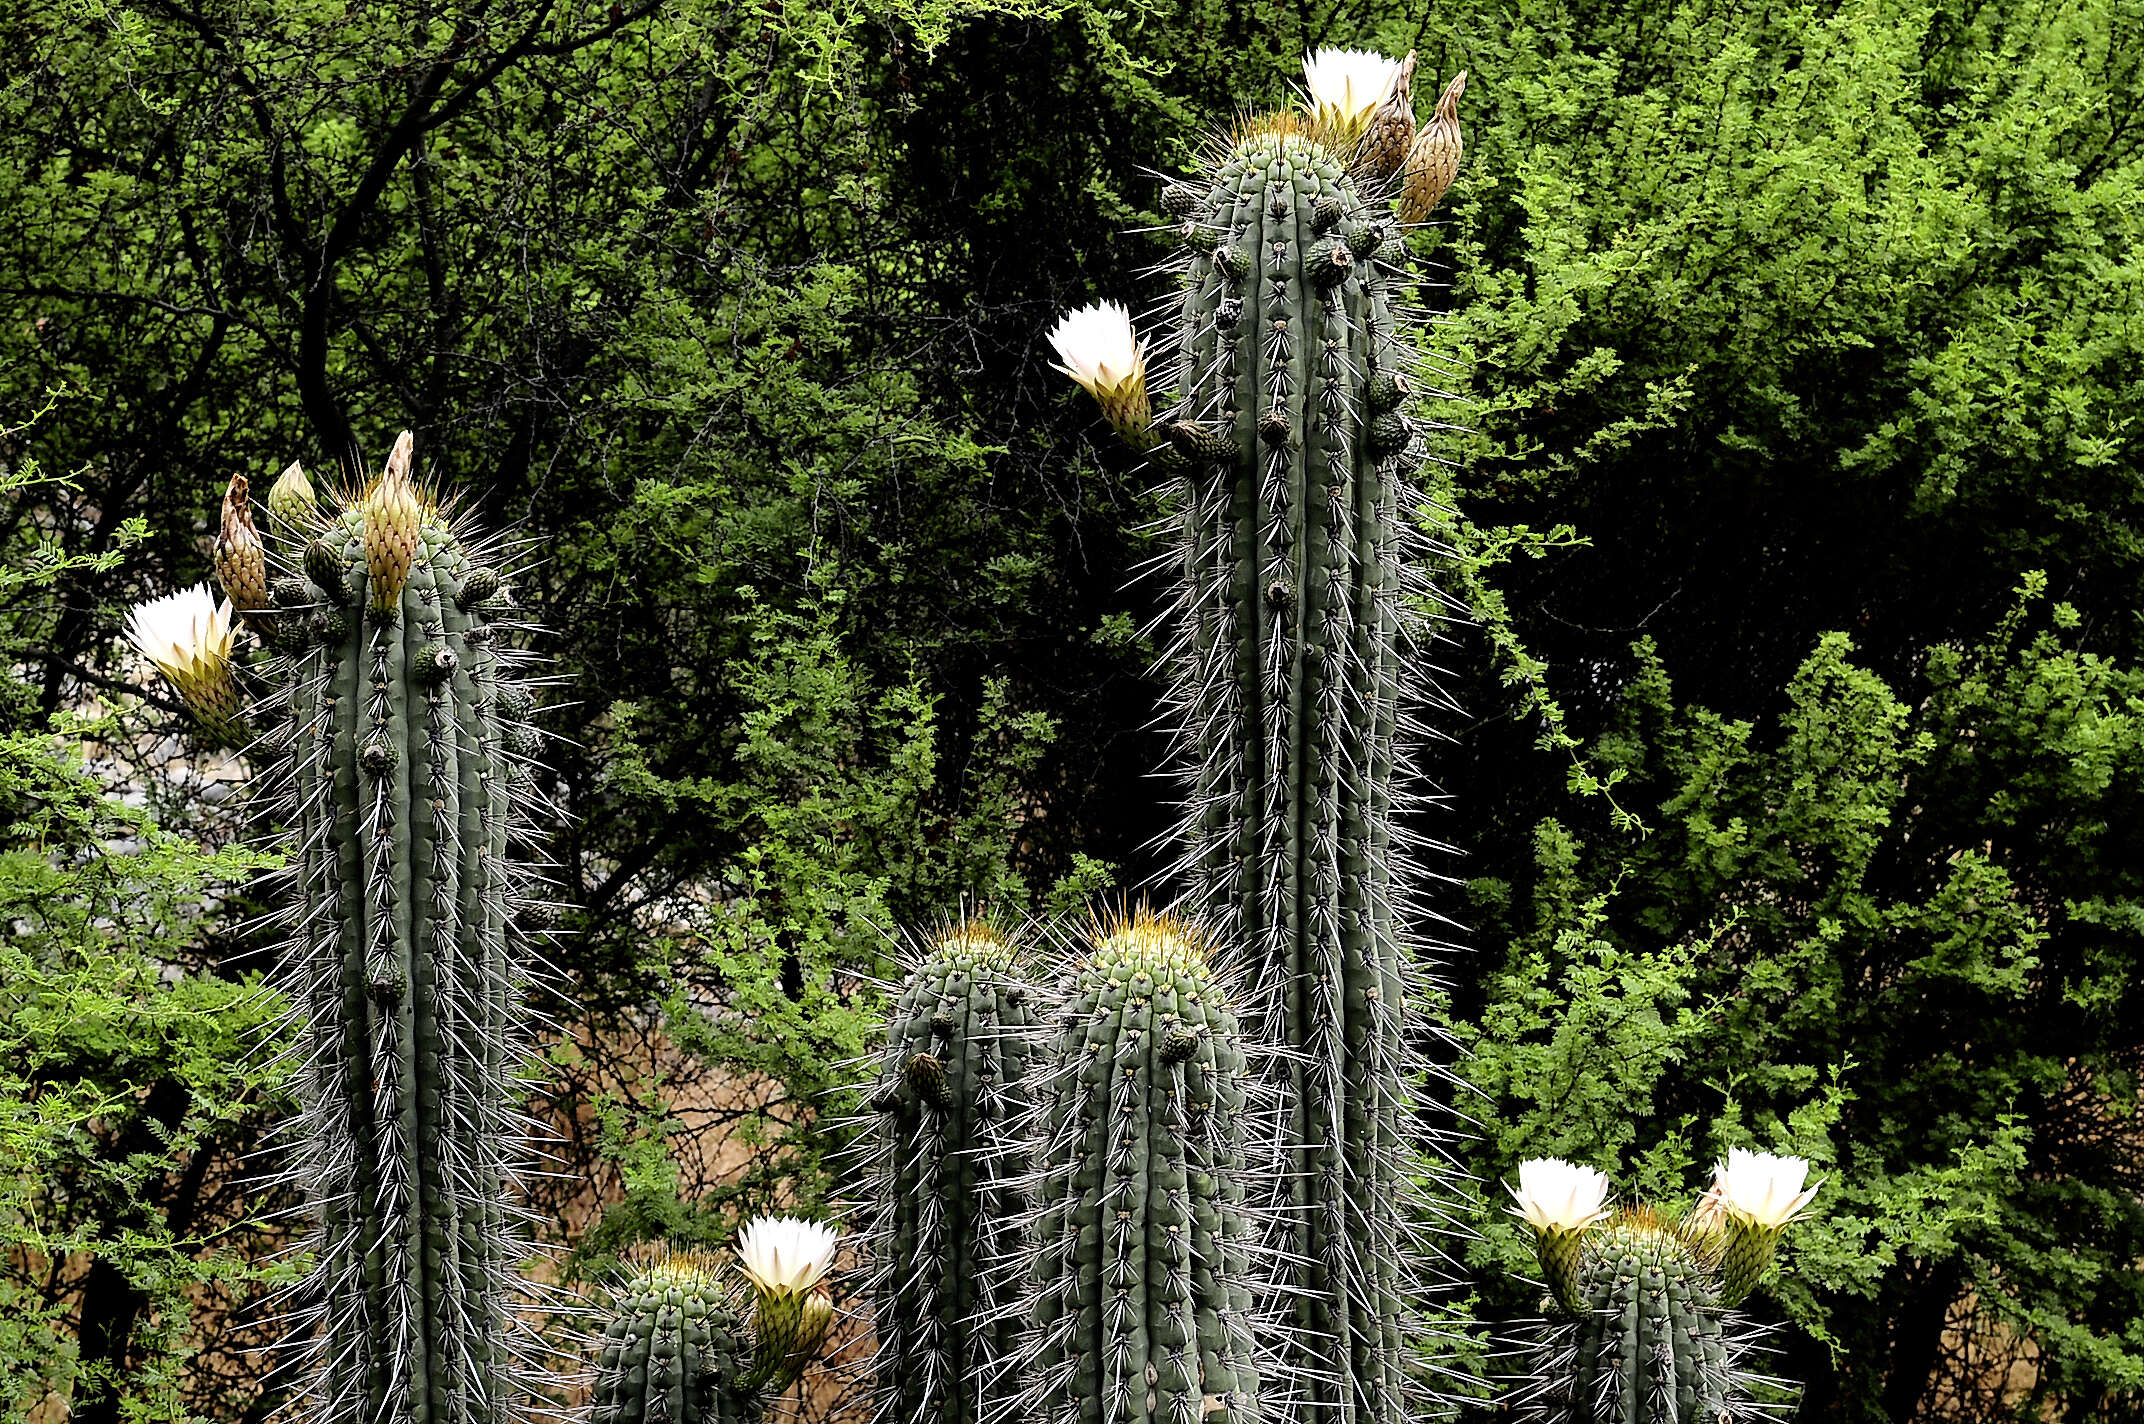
[1761,1189]
[1555,1195]
[1100,350]
[188,637]
[786,1255]
[1346,86]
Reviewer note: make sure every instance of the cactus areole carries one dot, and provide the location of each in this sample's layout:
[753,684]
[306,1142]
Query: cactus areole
[407,745]
[1297,619]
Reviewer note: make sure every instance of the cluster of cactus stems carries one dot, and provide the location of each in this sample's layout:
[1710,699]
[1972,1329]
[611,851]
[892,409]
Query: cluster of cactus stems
[947,1158]
[1298,421]
[1642,1328]
[1195,1179]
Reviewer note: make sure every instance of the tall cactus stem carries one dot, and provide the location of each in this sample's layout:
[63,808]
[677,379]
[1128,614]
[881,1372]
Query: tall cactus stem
[1299,632]
[1144,1243]
[945,1162]
[401,710]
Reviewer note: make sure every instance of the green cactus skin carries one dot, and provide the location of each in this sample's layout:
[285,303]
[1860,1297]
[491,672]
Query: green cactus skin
[1143,1244]
[1295,670]
[407,753]
[1656,1346]
[675,1350]
[947,1156]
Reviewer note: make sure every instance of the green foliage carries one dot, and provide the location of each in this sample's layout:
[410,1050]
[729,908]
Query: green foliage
[128,1081]
[1797,951]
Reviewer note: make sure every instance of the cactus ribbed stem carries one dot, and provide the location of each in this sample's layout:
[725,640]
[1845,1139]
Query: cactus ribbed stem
[405,741]
[676,1349]
[1298,624]
[1143,1290]
[947,1157]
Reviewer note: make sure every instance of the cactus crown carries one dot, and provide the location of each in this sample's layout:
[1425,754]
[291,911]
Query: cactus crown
[676,1347]
[1652,1342]
[1141,1311]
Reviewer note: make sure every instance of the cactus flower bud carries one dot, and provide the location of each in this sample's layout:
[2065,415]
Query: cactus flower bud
[241,559]
[1758,1194]
[1433,161]
[188,637]
[394,524]
[1559,1200]
[1391,129]
[1101,352]
[1345,87]
[291,501]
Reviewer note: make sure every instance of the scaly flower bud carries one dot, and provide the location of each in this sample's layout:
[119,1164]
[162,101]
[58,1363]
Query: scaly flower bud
[1560,1200]
[188,638]
[394,523]
[241,560]
[1101,352]
[1433,162]
[291,500]
[1345,87]
[1391,129]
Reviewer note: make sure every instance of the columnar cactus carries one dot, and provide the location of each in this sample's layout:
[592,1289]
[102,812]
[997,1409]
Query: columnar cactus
[946,1158]
[1643,1333]
[676,1348]
[406,748]
[1142,1312]
[1297,425]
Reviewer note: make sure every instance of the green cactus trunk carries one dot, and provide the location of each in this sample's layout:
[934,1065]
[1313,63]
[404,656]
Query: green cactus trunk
[1143,1298]
[406,741]
[947,1156]
[1298,620]
[1654,1346]
[676,1350]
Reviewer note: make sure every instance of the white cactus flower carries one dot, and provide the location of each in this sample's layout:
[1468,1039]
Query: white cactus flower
[186,634]
[1760,1189]
[1346,86]
[1555,1195]
[188,637]
[786,1255]
[1100,350]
